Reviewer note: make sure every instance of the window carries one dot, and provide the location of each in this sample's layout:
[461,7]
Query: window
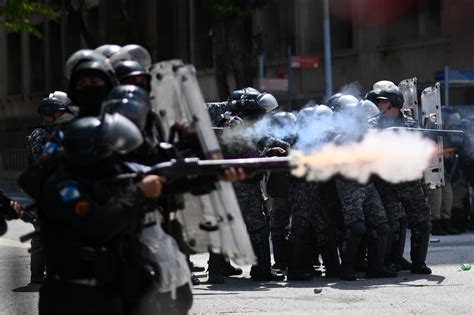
[14,63]
[342,30]
[420,22]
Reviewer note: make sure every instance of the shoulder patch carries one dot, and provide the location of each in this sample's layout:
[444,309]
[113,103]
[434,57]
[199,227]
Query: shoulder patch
[69,191]
[81,207]
[49,148]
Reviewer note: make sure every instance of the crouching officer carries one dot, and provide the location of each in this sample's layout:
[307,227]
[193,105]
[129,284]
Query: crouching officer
[88,230]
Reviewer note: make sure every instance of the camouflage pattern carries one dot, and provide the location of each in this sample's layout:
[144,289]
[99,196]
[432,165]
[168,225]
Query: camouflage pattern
[411,196]
[305,204]
[280,218]
[35,142]
[392,206]
[360,203]
[251,203]
[254,212]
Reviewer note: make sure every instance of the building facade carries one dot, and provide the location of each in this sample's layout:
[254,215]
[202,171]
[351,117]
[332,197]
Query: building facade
[371,40]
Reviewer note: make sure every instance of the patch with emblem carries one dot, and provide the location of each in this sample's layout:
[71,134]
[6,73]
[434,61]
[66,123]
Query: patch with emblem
[81,207]
[49,148]
[69,192]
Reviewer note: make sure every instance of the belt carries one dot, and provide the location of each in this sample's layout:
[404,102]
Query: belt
[89,282]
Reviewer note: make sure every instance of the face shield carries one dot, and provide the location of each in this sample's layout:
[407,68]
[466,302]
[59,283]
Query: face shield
[120,133]
[136,111]
[266,101]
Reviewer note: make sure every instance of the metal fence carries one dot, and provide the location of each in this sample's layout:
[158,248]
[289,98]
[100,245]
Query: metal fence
[12,162]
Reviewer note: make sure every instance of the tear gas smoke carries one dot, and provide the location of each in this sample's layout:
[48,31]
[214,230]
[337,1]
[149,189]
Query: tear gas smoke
[394,156]
[354,89]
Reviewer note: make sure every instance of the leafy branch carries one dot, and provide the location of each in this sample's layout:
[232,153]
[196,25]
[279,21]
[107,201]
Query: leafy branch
[16,15]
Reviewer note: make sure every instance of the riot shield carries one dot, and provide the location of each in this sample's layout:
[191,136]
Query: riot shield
[431,119]
[212,221]
[408,89]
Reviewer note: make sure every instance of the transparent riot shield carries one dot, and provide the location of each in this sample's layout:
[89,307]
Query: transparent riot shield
[212,221]
[409,91]
[431,119]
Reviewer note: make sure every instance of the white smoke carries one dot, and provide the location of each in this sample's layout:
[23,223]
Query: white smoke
[394,156]
[354,89]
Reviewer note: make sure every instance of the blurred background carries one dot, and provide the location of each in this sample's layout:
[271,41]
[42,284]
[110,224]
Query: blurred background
[299,50]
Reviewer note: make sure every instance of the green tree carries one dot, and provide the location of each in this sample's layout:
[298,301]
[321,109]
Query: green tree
[16,15]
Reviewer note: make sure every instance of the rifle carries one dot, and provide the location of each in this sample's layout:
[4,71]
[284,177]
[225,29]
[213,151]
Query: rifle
[429,132]
[191,168]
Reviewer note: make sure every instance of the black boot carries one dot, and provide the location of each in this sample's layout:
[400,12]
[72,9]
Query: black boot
[297,265]
[351,251]
[230,270]
[398,247]
[438,228]
[216,268]
[37,263]
[330,254]
[377,246]
[279,244]
[450,228]
[420,239]
[457,220]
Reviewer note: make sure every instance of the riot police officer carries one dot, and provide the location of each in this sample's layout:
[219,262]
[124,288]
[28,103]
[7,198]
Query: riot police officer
[95,263]
[410,194]
[54,111]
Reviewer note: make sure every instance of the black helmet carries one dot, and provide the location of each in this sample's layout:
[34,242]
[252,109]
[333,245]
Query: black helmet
[264,102]
[306,114]
[245,93]
[323,111]
[57,101]
[369,108]
[90,139]
[132,52]
[387,90]
[283,119]
[125,69]
[395,97]
[372,96]
[131,101]
[108,50]
[85,55]
[341,101]
[89,101]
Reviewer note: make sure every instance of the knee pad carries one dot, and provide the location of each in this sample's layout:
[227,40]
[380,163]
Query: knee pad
[424,227]
[403,221]
[382,229]
[358,228]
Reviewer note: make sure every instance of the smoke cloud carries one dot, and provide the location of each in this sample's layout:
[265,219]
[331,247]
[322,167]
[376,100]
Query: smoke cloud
[394,156]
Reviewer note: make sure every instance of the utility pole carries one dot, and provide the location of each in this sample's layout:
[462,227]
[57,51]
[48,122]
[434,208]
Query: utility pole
[327,49]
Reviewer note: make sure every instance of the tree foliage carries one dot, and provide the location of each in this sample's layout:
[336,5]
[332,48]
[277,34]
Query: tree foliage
[17,15]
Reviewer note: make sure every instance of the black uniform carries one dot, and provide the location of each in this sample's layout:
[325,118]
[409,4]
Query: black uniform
[411,196]
[89,238]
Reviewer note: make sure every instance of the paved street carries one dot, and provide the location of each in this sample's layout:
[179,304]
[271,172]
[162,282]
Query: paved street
[447,291]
